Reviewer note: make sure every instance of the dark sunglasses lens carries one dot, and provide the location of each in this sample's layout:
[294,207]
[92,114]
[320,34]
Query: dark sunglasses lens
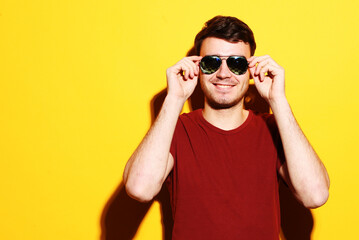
[210,64]
[238,65]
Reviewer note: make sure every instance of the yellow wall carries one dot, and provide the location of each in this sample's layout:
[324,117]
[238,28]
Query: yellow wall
[77,78]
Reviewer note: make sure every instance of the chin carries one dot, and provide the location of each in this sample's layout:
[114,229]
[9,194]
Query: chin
[223,102]
[218,105]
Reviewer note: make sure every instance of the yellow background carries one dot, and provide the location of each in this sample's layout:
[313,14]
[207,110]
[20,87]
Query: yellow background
[77,78]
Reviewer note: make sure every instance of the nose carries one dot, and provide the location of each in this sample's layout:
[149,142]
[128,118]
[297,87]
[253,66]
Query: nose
[223,72]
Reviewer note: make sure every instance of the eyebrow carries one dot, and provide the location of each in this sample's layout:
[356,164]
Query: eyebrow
[220,56]
[225,57]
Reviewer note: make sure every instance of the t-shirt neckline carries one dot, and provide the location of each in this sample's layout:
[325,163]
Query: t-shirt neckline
[207,124]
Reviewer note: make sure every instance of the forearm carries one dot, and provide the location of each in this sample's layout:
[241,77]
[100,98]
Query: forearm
[305,171]
[148,166]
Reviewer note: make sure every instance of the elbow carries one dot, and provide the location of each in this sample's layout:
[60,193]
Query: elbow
[318,199]
[139,192]
[320,194]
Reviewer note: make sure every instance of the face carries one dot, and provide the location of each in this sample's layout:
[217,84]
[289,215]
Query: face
[224,89]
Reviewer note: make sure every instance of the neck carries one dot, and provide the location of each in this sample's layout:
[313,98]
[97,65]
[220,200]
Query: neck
[225,119]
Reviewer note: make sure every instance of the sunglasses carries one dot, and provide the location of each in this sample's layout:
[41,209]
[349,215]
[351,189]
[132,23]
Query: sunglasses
[237,64]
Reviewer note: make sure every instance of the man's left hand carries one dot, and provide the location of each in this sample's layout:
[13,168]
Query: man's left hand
[268,78]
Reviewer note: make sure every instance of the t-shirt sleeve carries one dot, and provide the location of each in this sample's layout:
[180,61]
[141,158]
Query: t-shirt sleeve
[170,180]
[272,125]
[173,148]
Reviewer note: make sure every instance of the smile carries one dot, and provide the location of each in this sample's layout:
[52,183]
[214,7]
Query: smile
[223,86]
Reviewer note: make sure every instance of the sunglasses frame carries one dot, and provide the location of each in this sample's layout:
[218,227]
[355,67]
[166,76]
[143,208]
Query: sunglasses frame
[221,58]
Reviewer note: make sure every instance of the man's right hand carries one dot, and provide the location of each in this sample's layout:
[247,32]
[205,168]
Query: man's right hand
[182,77]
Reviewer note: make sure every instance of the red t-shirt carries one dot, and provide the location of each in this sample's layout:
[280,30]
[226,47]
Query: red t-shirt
[224,184]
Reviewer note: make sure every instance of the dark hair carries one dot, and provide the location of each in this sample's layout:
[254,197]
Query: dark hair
[228,28]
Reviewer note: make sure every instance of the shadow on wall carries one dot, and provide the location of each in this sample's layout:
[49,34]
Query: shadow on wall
[122,215]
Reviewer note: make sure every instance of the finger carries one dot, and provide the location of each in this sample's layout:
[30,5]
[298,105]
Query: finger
[196,71]
[195,67]
[184,68]
[260,66]
[267,59]
[190,67]
[263,72]
[252,70]
[254,60]
[195,58]
[255,78]
[183,71]
[273,63]
[250,59]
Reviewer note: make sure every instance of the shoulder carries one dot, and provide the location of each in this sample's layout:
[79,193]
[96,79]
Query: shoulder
[188,120]
[267,118]
[193,116]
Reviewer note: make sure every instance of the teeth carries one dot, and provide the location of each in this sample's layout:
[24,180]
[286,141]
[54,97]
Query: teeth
[224,86]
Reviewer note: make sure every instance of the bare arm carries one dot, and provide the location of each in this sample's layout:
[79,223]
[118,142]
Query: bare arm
[150,164]
[303,170]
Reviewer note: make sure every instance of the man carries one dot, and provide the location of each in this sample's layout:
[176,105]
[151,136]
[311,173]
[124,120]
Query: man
[222,163]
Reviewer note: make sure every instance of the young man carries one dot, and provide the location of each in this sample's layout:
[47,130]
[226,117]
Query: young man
[222,162]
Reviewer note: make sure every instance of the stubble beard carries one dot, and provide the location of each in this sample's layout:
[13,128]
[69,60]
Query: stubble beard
[223,102]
